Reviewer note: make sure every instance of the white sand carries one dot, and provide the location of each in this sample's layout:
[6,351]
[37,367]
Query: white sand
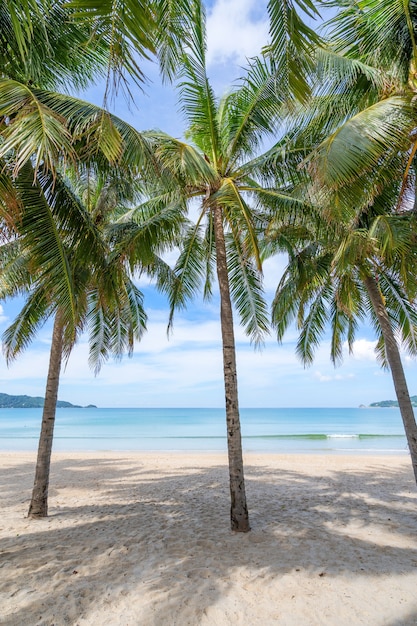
[144,539]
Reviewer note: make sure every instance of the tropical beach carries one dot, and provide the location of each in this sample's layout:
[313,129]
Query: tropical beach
[144,538]
[270,204]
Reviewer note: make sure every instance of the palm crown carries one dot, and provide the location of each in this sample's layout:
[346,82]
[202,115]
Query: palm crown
[221,165]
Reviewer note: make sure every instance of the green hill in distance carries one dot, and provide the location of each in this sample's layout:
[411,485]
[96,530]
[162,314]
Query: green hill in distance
[31,402]
[392,403]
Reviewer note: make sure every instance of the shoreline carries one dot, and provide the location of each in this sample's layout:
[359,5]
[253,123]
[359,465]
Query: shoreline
[247,455]
[144,538]
[189,452]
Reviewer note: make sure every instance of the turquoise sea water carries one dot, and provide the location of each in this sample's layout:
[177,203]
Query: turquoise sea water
[263,430]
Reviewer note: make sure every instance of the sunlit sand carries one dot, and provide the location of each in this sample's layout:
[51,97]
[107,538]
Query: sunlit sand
[143,539]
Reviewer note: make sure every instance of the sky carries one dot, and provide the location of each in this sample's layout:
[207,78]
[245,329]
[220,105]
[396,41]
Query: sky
[186,369]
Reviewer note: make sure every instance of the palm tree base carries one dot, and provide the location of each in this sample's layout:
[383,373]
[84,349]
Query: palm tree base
[37,512]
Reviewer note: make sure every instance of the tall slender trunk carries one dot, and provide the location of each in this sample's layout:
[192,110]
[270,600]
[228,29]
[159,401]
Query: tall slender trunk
[39,503]
[397,371]
[238,512]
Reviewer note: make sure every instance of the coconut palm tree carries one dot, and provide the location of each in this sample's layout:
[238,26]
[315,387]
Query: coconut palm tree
[367,159]
[46,45]
[345,273]
[356,140]
[105,301]
[220,166]
[69,274]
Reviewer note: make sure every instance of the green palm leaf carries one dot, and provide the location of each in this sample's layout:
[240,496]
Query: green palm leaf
[251,112]
[378,32]
[358,147]
[246,289]
[190,268]
[18,336]
[292,44]
[43,239]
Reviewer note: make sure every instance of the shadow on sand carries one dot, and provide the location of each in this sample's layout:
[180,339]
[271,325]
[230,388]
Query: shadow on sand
[172,531]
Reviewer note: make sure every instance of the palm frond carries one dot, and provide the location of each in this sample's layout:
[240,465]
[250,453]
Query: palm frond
[239,215]
[31,318]
[246,288]
[210,243]
[197,98]
[17,275]
[67,58]
[189,269]
[114,324]
[313,326]
[350,79]
[177,22]
[43,241]
[128,28]
[250,114]
[402,313]
[152,227]
[339,323]
[292,44]
[55,126]
[380,33]
[184,162]
[33,128]
[357,147]
[284,305]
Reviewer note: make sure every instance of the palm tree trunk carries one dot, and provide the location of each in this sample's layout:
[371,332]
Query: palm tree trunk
[39,503]
[238,512]
[397,370]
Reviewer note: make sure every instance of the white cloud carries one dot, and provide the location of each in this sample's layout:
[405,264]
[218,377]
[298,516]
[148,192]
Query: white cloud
[363,350]
[32,364]
[324,378]
[3,317]
[236,30]
[273,269]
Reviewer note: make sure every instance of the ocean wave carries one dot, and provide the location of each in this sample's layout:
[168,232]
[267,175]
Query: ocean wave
[323,436]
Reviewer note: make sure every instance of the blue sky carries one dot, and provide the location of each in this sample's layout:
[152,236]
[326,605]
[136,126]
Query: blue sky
[186,370]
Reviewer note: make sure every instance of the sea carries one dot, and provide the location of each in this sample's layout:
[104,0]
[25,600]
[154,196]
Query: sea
[302,430]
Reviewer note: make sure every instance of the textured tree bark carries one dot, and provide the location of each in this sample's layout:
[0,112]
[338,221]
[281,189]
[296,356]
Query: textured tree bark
[39,503]
[238,512]
[397,370]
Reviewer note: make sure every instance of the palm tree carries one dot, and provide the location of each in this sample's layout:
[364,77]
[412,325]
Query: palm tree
[368,158]
[356,140]
[69,274]
[344,273]
[220,166]
[105,301]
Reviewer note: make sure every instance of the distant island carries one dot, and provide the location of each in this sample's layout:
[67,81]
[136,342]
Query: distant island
[383,404]
[30,402]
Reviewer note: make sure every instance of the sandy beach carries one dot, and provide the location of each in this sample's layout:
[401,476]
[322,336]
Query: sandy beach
[143,539]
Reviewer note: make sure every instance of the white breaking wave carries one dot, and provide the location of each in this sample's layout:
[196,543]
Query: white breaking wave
[342,436]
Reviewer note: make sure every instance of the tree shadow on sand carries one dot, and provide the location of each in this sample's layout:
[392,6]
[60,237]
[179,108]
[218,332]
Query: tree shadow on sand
[157,536]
